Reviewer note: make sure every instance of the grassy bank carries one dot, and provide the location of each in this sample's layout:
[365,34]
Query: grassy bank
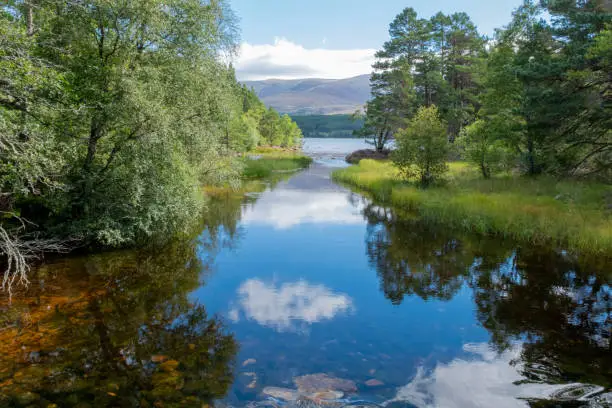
[263,163]
[543,210]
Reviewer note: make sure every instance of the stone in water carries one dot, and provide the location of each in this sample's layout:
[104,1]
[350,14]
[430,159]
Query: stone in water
[322,382]
[284,394]
[374,383]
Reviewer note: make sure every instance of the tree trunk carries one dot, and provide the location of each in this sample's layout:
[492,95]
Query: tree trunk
[30,17]
[530,156]
[485,171]
[95,134]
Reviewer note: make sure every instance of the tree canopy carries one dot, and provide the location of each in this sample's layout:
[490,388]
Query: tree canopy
[536,96]
[113,114]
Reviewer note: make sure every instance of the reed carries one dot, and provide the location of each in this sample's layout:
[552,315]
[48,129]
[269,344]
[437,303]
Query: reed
[570,214]
[266,164]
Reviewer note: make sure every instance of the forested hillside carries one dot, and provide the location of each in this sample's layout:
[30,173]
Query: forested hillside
[113,114]
[328,126]
[537,96]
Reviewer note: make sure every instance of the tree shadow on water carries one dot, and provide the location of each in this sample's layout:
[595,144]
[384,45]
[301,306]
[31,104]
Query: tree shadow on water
[557,308]
[116,329]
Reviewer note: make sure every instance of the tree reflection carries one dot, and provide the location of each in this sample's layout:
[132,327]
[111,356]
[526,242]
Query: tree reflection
[412,258]
[558,308]
[114,330]
[561,310]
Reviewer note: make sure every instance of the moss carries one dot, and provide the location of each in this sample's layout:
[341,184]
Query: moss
[544,210]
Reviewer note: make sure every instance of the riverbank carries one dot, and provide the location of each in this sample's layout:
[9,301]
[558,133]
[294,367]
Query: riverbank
[264,162]
[570,214]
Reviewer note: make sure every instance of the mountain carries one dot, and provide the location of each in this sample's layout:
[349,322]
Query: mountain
[314,96]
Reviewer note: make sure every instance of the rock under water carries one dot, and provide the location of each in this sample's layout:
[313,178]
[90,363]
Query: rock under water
[313,383]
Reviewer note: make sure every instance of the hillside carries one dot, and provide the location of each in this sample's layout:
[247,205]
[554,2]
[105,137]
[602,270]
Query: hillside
[328,126]
[314,96]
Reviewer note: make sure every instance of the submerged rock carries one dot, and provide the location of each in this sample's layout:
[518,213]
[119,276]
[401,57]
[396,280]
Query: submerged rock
[285,394]
[313,383]
[374,383]
[326,395]
[291,395]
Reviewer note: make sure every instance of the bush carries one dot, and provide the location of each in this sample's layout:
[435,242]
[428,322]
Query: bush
[423,148]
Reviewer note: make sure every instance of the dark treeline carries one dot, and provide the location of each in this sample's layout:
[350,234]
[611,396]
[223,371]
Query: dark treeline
[113,114]
[537,96]
[328,126]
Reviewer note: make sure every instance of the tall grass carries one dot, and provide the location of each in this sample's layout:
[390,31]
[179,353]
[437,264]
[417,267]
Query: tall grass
[266,164]
[544,210]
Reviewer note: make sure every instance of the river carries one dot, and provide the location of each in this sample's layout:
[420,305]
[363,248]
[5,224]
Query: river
[306,277]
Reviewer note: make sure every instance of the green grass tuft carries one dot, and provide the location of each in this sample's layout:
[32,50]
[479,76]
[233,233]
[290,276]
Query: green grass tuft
[544,210]
[265,165]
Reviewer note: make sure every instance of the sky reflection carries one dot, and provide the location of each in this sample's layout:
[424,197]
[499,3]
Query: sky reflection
[283,209]
[288,307]
[488,380]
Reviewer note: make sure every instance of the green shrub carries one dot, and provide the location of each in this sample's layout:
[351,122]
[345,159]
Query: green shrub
[422,148]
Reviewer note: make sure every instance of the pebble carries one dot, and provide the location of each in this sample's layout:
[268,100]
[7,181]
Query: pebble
[322,382]
[284,394]
[374,383]
[326,395]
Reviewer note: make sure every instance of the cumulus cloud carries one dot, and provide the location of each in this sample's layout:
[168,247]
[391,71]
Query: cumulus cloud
[289,307]
[287,60]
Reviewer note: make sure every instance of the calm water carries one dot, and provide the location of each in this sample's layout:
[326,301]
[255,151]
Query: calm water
[303,278]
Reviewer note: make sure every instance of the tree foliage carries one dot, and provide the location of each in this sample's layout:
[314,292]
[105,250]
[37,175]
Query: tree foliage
[113,114]
[538,92]
[426,62]
[422,148]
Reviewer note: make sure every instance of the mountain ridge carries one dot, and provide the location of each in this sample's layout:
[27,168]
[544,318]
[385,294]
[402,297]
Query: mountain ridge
[313,96]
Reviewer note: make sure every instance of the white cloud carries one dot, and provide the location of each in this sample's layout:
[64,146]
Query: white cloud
[287,60]
[490,380]
[290,306]
[283,209]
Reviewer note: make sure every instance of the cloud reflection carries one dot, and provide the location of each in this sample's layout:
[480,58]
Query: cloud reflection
[284,209]
[289,307]
[492,380]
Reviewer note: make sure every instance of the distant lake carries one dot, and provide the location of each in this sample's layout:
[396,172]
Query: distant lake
[332,151]
[305,277]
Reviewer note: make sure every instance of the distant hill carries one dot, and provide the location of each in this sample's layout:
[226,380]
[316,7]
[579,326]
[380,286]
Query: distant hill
[314,96]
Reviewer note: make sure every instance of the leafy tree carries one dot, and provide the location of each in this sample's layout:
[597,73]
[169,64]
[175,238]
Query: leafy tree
[563,106]
[32,154]
[112,115]
[425,62]
[423,148]
[484,148]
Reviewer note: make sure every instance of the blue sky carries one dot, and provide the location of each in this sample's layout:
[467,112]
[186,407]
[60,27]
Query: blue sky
[335,38]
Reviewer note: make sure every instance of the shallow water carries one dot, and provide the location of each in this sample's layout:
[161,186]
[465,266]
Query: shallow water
[305,278]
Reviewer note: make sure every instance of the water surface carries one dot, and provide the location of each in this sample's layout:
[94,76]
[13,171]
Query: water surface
[302,278]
